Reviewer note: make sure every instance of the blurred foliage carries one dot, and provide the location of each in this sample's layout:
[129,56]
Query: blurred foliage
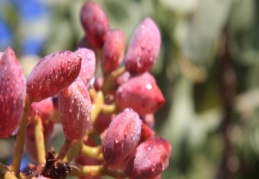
[212,126]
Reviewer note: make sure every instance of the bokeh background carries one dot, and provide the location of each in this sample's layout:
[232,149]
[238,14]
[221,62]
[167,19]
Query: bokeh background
[208,70]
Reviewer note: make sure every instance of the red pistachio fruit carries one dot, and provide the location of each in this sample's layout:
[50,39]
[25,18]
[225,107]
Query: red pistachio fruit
[83,43]
[146,132]
[149,120]
[113,50]
[98,83]
[140,93]
[95,23]
[123,78]
[88,64]
[75,110]
[149,159]
[52,74]
[12,93]
[121,138]
[144,47]
[102,122]
[43,109]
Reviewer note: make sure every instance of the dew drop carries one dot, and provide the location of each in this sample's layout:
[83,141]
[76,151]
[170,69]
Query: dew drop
[148,86]
[116,140]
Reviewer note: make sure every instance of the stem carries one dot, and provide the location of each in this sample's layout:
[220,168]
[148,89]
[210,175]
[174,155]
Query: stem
[97,106]
[64,150]
[93,152]
[72,152]
[109,108]
[93,93]
[39,139]
[228,82]
[20,138]
[110,80]
[96,170]
[5,173]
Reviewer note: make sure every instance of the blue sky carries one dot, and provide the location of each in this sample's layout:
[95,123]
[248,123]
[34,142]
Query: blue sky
[31,11]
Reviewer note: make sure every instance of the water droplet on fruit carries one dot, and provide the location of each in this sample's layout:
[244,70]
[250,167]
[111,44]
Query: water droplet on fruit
[116,140]
[148,86]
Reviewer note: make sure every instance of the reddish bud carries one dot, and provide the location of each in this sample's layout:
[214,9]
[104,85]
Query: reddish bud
[75,110]
[149,120]
[121,138]
[102,122]
[83,43]
[113,50]
[98,83]
[146,132]
[123,78]
[140,93]
[95,23]
[144,47]
[149,159]
[43,109]
[52,74]
[12,93]
[88,64]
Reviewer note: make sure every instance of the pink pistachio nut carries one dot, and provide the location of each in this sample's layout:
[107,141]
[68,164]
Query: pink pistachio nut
[98,83]
[95,23]
[149,120]
[84,43]
[87,65]
[144,47]
[140,93]
[12,93]
[123,78]
[121,138]
[102,122]
[75,110]
[146,132]
[149,159]
[113,50]
[43,109]
[52,74]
